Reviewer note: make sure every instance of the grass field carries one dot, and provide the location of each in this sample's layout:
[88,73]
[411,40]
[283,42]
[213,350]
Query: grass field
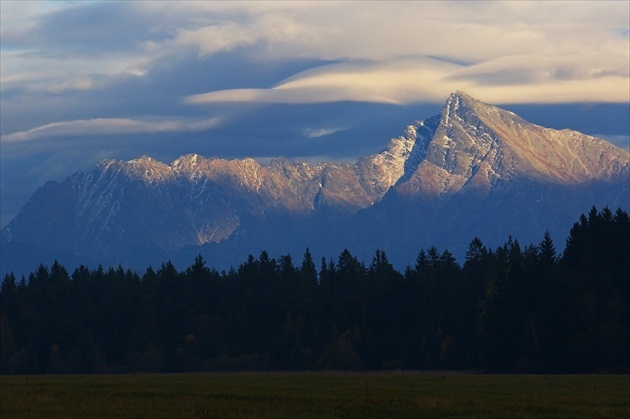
[315,395]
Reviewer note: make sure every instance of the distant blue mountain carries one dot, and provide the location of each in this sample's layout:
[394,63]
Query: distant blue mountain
[474,170]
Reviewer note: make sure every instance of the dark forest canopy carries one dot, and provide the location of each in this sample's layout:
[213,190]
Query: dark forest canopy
[511,309]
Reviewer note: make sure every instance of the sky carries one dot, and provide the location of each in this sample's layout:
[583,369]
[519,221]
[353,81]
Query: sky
[86,81]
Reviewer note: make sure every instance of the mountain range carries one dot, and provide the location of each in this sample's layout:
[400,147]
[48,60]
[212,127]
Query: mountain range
[474,170]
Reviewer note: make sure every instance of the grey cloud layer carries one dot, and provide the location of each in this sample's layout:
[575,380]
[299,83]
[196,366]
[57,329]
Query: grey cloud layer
[502,39]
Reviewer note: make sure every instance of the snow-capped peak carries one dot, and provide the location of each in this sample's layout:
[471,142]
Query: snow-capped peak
[189,165]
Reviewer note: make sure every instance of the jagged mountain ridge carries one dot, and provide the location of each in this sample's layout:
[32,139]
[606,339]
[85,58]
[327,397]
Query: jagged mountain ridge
[477,145]
[471,155]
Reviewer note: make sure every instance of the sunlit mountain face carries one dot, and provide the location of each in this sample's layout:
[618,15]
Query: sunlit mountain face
[473,170]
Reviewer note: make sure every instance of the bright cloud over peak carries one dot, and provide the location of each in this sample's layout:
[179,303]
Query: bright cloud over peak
[513,79]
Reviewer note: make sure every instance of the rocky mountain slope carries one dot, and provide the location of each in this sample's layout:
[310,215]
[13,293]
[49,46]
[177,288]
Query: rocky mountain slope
[473,170]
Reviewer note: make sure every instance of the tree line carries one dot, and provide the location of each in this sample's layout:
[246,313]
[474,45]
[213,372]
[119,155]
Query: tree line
[510,309]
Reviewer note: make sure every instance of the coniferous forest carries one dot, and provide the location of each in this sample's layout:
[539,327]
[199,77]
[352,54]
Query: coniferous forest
[523,309]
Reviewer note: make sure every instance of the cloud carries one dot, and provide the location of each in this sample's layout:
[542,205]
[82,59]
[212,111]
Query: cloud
[512,79]
[82,40]
[213,38]
[532,69]
[394,82]
[101,126]
[471,31]
[320,132]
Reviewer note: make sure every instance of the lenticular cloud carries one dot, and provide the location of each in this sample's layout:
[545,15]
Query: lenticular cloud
[104,126]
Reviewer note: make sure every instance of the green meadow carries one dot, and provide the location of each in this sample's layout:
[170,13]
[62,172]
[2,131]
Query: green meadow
[315,395]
